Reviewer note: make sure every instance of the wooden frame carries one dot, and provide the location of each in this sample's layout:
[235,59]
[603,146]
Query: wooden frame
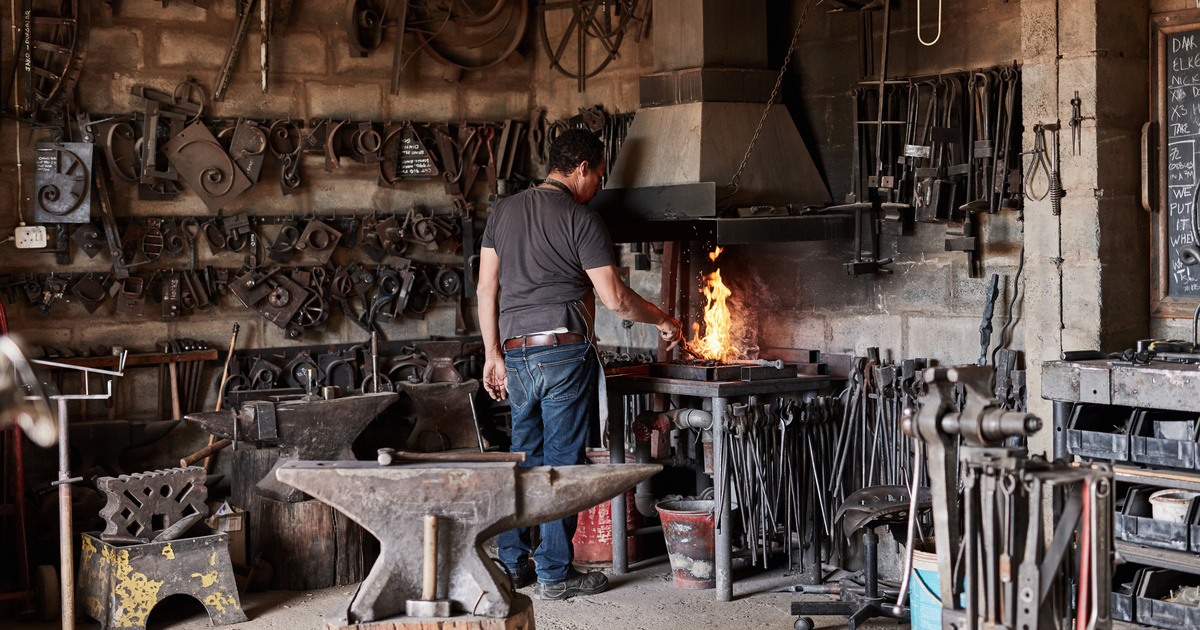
[1162,25]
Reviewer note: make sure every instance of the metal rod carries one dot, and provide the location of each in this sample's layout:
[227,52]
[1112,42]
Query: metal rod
[75,367]
[616,455]
[66,560]
[724,518]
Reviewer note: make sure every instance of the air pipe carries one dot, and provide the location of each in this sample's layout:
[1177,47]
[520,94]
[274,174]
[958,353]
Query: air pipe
[662,421]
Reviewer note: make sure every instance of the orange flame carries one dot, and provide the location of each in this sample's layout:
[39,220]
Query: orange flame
[716,343]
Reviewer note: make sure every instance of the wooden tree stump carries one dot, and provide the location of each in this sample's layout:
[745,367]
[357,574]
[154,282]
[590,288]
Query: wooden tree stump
[520,619]
[308,544]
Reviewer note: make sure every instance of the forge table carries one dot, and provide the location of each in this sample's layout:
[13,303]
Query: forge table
[719,392]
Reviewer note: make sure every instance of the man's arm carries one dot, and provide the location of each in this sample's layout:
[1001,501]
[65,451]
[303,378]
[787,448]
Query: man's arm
[627,304]
[495,375]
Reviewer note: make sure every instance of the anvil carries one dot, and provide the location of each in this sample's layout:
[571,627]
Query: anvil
[316,429]
[473,501]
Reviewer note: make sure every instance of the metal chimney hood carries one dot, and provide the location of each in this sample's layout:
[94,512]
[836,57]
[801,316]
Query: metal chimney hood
[698,113]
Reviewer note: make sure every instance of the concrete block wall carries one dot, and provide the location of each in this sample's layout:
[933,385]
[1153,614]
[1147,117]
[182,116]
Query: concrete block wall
[929,307]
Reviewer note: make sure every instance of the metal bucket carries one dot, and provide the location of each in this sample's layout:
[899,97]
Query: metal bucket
[593,534]
[689,529]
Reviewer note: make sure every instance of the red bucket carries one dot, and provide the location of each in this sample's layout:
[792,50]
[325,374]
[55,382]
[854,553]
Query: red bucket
[689,529]
[593,535]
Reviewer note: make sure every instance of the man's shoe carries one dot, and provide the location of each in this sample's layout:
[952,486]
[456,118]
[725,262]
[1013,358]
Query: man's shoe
[522,579]
[575,584]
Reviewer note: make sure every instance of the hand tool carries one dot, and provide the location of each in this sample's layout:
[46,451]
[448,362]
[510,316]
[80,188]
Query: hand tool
[221,389]
[391,502]
[985,327]
[428,605]
[245,13]
[204,453]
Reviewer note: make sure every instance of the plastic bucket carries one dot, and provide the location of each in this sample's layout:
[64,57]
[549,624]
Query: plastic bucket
[1171,505]
[593,534]
[688,527]
[924,594]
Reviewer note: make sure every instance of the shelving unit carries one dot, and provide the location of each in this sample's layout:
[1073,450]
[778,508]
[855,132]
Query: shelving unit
[1158,386]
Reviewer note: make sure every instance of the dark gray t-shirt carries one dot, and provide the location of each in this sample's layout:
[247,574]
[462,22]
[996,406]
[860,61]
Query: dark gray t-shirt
[546,242]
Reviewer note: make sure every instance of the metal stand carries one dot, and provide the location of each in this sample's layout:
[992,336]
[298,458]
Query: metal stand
[719,393]
[866,607]
[65,480]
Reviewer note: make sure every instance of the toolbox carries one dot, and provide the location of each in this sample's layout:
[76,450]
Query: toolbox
[1150,608]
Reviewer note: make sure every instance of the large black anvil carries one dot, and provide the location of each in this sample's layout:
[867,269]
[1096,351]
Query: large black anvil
[316,429]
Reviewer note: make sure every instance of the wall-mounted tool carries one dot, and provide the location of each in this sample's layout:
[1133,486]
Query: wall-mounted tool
[63,182]
[248,147]
[286,146]
[318,240]
[1077,119]
[206,167]
[131,298]
[245,13]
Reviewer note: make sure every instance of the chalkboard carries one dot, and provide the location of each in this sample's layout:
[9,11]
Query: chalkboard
[1182,129]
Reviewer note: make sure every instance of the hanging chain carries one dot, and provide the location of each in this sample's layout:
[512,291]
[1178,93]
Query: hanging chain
[733,183]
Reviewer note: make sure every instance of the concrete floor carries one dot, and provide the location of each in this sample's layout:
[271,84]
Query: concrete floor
[644,599]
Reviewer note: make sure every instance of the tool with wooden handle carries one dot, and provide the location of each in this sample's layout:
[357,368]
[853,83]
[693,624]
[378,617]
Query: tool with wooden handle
[427,606]
[221,389]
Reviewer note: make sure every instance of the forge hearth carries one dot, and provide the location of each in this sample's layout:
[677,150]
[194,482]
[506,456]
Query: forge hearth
[717,371]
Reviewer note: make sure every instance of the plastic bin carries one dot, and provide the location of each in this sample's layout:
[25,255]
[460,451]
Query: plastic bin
[1126,578]
[1165,438]
[1100,432]
[1134,523]
[1149,608]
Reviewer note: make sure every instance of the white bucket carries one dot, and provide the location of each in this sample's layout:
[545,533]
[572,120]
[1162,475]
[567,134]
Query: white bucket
[1171,505]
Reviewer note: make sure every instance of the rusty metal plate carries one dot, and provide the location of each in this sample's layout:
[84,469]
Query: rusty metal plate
[144,504]
[62,181]
[205,166]
[444,415]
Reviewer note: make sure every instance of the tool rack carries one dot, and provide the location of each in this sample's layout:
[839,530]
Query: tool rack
[720,393]
[1136,391]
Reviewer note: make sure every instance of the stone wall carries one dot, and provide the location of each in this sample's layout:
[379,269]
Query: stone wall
[312,75]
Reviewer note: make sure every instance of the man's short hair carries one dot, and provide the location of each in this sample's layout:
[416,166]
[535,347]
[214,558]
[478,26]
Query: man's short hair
[574,147]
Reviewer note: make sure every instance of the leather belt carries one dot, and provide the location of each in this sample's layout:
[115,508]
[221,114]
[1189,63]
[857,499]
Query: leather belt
[548,339]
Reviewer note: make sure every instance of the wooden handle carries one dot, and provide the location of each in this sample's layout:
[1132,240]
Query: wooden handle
[429,569]
[204,452]
[176,412]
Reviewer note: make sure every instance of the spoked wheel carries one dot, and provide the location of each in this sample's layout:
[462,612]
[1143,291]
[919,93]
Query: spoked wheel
[602,20]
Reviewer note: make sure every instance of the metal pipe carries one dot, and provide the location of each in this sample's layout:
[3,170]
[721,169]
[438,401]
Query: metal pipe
[616,455]
[724,529]
[643,496]
[66,561]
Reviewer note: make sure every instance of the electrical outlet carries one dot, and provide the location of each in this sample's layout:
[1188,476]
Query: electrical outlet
[30,237]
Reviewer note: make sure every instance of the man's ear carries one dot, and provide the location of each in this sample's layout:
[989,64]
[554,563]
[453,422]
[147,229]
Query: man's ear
[582,169]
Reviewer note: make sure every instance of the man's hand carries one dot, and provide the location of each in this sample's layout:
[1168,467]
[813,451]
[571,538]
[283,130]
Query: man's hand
[670,330]
[495,378]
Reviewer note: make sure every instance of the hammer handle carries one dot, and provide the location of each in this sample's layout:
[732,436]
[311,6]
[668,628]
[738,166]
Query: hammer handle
[204,452]
[429,569]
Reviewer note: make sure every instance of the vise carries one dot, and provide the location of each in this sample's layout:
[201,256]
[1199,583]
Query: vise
[473,502]
[316,429]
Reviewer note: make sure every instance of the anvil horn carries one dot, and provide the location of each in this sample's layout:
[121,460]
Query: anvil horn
[473,502]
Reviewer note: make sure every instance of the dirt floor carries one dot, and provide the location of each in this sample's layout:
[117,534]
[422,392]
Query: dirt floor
[644,599]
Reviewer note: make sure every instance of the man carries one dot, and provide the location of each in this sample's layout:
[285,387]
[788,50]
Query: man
[543,253]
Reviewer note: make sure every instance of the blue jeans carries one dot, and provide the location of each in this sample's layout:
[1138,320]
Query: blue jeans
[552,392]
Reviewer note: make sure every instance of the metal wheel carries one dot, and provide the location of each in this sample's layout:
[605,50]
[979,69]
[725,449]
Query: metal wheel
[469,34]
[589,19]
[803,623]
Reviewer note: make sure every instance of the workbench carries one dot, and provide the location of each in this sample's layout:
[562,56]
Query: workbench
[719,393]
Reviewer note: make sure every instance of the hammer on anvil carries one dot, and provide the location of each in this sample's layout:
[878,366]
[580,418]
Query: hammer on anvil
[306,430]
[473,502]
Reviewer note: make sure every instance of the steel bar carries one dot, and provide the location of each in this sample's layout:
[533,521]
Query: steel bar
[616,455]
